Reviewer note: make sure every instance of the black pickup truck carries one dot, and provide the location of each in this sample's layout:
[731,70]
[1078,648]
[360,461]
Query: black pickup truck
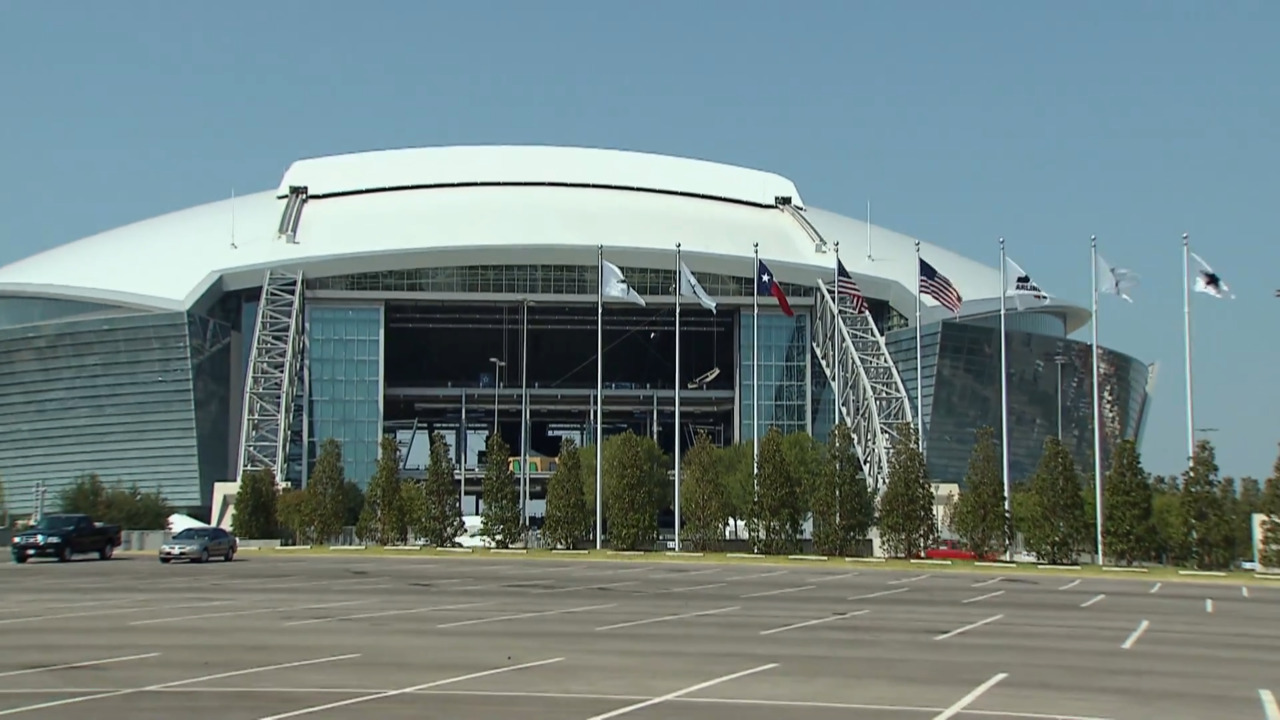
[63,536]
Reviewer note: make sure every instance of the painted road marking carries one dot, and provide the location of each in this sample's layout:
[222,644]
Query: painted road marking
[882,593]
[1133,636]
[87,663]
[585,587]
[825,578]
[783,591]
[967,700]
[1092,600]
[385,613]
[683,691]
[690,588]
[237,613]
[907,580]
[819,621]
[982,597]
[753,576]
[1269,705]
[521,616]
[1208,605]
[1155,588]
[665,618]
[1070,585]
[968,627]
[985,583]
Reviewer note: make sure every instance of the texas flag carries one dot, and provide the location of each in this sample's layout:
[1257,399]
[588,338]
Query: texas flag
[767,285]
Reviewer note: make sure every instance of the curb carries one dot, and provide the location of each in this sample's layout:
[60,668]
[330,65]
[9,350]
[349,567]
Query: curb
[918,561]
[1110,568]
[1058,567]
[570,552]
[1203,573]
[814,558]
[674,553]
[509,551]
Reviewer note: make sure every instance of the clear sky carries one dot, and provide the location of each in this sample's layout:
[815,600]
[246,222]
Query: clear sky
[961,122]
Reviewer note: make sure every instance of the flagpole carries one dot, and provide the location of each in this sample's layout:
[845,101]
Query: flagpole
[869,230]
[524,413]
[835,330]
[599,395]
[755,373]
[679,288]
[919,361]
[1097,407]
[1004,388]
[1186,339]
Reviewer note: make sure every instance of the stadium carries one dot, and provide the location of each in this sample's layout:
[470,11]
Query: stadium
[448,289]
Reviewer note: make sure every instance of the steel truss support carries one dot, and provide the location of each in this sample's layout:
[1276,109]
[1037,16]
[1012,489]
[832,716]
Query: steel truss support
[872,399]
[272,383]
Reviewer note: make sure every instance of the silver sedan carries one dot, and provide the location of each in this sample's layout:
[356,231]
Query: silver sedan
[199,545]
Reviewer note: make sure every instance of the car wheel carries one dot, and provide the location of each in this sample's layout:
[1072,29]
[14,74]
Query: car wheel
[164,561]
[106,552]
[204,556]
[231,555]
[64,555]
[19,558]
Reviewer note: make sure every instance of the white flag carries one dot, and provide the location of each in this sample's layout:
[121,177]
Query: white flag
[1114,280]
[615,285]
[690,287]
[1021,284]
[1210,282]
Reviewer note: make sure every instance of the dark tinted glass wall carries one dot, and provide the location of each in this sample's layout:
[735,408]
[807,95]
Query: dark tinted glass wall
[135,398]
[1050,393]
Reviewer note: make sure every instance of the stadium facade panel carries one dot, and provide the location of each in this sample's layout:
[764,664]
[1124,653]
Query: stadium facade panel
[431,279]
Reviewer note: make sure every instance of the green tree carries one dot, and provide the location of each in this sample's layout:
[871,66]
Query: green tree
[1056,524]
[632,489]
[500,518]
[842,503]
[437,517]
[294,513]
[908,525]
[978,515]
[1171,546]
[1129,532]
[568,517]
[256,506]
[352,502]
[384,520]
[805,456]
[1269,506]
[1248,502]
[1208,524]
[778,516]
[735,472]
[704,505]
[326,494]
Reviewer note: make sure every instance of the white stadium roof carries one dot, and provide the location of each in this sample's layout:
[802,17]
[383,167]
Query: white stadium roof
[483,205]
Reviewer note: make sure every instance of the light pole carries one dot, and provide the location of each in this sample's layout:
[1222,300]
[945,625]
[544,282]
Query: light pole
[524,411]
[1059,359]
[497,364]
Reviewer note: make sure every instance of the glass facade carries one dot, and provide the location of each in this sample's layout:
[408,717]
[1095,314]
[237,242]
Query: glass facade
[1050,393]
[538,280]
[15,311]
[784,372]
[138,398]
[345,383]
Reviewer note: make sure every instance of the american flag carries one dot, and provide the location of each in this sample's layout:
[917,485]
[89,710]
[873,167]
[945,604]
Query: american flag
[847,287]
[937,286]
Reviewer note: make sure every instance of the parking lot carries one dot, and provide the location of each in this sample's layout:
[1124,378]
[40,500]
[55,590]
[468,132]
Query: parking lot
[337,637]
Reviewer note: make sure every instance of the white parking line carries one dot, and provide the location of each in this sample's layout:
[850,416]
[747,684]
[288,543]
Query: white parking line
[175,683]
[405,691]
[1269,706]
[1133,636]
[684,691]
[825,578]
[665,618]
[87,663]
[985,583]
[967,700]
[982,597]
[968,627]
[783,591]
[1155,588]
[819,621]
[385,613]
[521,616]
[93,613]
[237,613]
[669,575]
[753,576]
[900,581]
[1208,605]
[882,593]
[688,589]
[1244,590]
[585,587]
[1092,600]
[1070,585]
[29,604]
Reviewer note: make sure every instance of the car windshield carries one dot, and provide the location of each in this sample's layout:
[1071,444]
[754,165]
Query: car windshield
[194,534]
[57,522]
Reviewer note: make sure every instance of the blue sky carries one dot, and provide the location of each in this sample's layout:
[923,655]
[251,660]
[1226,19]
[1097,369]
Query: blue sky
[961,122]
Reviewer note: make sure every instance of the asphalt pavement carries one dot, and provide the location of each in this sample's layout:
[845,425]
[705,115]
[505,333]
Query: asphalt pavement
[348,636]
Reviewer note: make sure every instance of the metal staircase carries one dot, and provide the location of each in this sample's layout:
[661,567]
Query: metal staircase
[870,395]
[270,392]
